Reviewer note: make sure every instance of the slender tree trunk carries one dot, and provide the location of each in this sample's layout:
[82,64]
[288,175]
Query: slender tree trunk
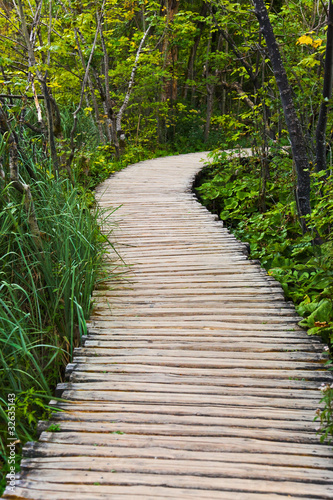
[169,88]
[264,150]
[83,86]
[209,112]
[327,93]
[131,82]
[91,87]
[30,40]
[298,145]
[224,93]
[233,47]
[111,120]
[210,89]
[194,48]
[24,189]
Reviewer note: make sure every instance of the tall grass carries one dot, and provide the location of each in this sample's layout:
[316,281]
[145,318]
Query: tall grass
[45,292]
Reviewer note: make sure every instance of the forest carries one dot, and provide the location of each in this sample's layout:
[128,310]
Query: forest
[88,87]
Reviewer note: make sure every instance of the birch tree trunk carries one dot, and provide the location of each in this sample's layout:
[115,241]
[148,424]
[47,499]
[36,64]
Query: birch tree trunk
[90,85]
[131,82]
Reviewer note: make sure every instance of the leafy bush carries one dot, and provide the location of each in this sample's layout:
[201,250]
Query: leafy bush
[303,264]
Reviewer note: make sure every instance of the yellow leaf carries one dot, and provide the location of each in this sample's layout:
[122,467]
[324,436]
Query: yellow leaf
[87,111]
[305,40]
[308,40]
[317,43]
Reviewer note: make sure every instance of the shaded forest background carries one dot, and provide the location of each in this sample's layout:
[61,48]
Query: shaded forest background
[87,88]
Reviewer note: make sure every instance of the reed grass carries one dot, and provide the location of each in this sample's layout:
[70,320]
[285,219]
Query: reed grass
[45,292]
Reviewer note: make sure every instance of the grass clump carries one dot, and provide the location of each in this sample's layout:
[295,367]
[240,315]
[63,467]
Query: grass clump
[46,283]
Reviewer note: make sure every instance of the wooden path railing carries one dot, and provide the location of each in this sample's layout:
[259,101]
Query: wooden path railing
[195,381]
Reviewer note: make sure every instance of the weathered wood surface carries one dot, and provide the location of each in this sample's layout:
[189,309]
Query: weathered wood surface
[195,381]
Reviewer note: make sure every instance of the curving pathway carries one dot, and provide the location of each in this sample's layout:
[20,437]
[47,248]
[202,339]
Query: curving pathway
[195,381]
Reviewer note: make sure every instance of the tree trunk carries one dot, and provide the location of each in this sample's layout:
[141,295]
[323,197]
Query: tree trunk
[107,104]
[130,83]
[30,39]
[233,47]
[210,101]
[24,189]
[83,86]
[327,93]
[298,145]
[91,87]
[193,52]
[169,90]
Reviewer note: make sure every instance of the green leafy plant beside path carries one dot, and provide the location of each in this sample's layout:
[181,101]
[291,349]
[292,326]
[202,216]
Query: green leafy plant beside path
[302,263]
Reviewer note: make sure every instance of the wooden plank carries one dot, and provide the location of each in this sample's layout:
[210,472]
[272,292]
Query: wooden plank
[210,300]
[237,372]
[283,435]
[287,355]
[120,289]
[45,449]
[235,444]
[198,362]
[192,345]
[174,398]
[283,414]
[315,490]
[192,419]
[269,314]
[166,378]
[255,320]
[52,491]
[178,467]
[204,333]
[184,388]
[236,324]
[203,342]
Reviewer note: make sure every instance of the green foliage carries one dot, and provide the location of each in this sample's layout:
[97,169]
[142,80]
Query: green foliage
[302,263]
[54,428]
[45,291]
[325,416]
[232,189]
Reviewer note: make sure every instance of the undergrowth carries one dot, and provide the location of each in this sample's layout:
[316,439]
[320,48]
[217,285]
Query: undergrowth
[46,285]
[267,220]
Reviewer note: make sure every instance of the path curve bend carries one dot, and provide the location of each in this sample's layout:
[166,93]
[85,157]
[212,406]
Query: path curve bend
[195,381]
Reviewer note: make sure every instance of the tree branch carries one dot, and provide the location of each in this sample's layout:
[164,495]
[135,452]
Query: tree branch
[84,82]
[131,81]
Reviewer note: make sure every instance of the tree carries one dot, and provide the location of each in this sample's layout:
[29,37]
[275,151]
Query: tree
[297,141]
[327,93]
[42,78]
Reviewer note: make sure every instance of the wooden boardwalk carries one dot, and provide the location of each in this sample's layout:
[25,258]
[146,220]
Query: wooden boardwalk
[195,381]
